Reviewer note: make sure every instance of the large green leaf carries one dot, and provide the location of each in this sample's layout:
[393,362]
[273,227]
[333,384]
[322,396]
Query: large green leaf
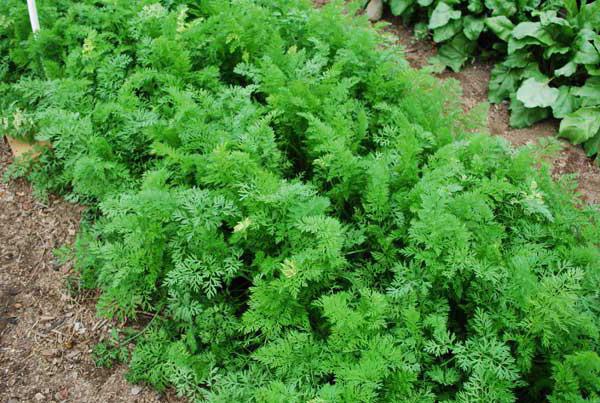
[501,7]
[503,82]
[550,19]
[519,59]
[532,70]
[565,103]
[473,27]
[589,15]
[586,52]
[592,147]
[589,92]
[454,53]
[567,70]
[448,31]
[475,6]
[556,50]
[516,44]
[593,69]
[442,14]
[520,116]
[571,7]
[398,7]
[536,94]
[580,125]
[535,30]
[526,28]
[501,26]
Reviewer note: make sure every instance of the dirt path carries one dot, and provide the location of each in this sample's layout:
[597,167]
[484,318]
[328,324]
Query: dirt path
[46,335]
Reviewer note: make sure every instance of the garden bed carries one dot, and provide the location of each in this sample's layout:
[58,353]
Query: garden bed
[306,221]
[38,361]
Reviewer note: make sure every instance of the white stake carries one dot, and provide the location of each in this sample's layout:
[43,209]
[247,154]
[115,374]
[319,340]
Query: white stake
[33,15]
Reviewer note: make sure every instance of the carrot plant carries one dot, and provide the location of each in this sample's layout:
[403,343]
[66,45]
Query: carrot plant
[303,216]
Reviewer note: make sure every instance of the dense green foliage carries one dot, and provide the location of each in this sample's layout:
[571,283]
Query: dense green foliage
[303,216]
[548,55]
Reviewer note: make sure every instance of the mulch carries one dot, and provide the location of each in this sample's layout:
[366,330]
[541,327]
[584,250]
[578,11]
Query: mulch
[47,332]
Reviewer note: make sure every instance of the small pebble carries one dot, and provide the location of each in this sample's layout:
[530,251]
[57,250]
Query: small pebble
[375,10]
[136,390]
[79,328]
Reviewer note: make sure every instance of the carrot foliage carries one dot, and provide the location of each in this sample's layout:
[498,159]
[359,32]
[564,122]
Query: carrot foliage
[304,217]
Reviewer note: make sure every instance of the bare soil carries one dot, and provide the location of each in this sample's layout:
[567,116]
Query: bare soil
[46,333]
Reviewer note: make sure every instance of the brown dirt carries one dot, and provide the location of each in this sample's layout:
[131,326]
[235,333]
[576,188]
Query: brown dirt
[474,79]
[46,334]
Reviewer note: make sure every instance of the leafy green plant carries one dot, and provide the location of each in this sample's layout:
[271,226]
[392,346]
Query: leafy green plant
[304,217]
[112,351]
[548,52]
